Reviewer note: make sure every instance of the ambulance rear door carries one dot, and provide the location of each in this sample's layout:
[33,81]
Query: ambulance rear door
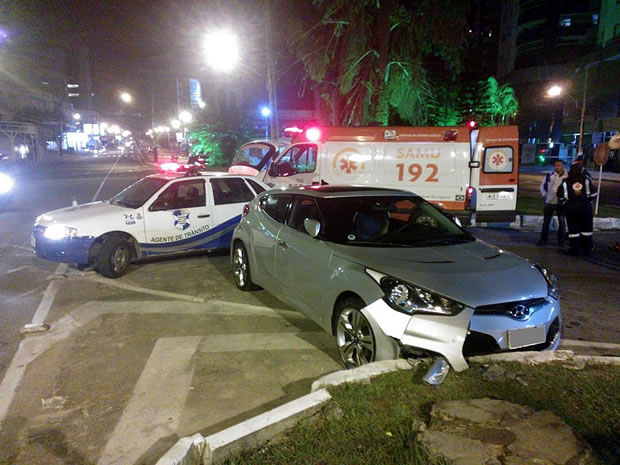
[495,173]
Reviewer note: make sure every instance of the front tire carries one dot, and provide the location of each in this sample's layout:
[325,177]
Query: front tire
[355,338]
[114,257]
[241,268]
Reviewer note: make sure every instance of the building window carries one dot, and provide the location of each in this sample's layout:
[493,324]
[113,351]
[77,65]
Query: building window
[565,22]
[73,86]
[595,18]
[73,94]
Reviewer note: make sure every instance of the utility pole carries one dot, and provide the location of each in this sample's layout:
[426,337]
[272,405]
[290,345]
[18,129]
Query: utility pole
[583,113]
[271,78]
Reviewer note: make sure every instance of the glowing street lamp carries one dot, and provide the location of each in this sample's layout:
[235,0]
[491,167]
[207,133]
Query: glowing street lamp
[185,116]
[222,50]
[126,97]
[175,123]
[554,91]
[265,111]
[77,116]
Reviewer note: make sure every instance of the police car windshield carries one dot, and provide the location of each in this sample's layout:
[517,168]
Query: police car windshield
[135,195]
[387,221]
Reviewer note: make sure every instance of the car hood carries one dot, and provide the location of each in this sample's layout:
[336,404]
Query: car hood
[474,273]
[80,215]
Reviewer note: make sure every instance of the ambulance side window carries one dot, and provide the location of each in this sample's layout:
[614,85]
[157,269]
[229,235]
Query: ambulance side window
[298,159]
[498,160]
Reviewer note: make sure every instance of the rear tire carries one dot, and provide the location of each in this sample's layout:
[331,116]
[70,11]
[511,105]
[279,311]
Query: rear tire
[241,268]
[355,338]
[114,257]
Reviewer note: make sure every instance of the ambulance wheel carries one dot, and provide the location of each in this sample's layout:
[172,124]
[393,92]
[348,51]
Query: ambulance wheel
[241,267]
[114,257]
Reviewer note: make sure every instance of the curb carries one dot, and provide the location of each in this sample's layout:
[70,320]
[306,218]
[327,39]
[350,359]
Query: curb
[545,357]
[256,431]
[534,223]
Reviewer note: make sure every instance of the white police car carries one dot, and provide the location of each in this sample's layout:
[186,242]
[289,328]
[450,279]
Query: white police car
[159,214]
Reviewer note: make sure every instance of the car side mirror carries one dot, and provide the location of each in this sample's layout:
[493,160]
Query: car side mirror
[312,227]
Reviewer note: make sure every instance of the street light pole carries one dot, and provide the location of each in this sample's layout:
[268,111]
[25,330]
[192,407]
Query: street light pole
[583,114]
[271,79]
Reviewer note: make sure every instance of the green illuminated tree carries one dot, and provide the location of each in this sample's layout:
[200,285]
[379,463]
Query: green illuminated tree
[499,101]
[372,60]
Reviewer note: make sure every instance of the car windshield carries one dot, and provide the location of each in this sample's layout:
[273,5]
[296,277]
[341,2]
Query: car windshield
[135,195]
[255,155]
[387,221]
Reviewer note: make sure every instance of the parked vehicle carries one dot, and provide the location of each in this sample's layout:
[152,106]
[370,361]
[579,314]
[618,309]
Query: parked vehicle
[388,273]
[255,156]
[464,171]
[159,214]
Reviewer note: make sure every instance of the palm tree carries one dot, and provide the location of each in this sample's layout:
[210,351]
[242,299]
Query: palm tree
[369,59]
[500,102]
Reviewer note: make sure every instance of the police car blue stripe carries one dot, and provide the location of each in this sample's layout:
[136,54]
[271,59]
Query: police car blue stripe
[212,238]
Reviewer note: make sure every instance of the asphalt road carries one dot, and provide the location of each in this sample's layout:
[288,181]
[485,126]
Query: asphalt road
[173,348]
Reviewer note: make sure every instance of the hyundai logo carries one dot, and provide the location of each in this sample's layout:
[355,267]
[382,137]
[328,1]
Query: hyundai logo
[520,312]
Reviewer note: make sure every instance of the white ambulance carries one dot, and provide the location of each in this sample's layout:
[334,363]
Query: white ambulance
[467,172]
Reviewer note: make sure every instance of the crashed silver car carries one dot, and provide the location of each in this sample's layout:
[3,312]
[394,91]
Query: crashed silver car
[389,274]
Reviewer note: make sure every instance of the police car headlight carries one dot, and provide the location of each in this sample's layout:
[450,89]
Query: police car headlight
[57,232]
[410,298]
[553,288]
[6,183]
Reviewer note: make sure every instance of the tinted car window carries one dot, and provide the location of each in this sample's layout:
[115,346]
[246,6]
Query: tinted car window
[256,186]
[387,221]
[276,206]
[303,208]
[135,195]
[230,190]
[184,194]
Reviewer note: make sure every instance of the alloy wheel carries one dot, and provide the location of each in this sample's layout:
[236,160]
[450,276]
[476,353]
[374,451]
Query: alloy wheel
[240,267]
[356,342]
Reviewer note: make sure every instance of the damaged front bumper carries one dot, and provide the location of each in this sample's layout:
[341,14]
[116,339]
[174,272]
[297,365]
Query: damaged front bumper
[443,335]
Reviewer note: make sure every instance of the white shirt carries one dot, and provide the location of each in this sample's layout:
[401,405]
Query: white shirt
[550,193]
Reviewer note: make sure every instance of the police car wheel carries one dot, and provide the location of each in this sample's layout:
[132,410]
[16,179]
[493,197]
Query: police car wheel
[241,268]
[114,257]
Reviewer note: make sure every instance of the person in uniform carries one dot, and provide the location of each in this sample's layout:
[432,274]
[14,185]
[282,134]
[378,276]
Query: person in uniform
[576,193]
[548,188]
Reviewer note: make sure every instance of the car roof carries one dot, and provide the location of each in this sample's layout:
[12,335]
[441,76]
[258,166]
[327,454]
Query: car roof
[342,191]
[203,174]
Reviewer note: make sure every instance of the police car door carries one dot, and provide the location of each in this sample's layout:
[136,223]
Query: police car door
[230,195]
[295,167]
[178,219]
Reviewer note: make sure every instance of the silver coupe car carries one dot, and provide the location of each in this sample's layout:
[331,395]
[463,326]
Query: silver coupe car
[389,274]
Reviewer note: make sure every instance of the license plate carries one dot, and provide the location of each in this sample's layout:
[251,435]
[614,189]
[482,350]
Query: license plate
[33,242]
[500,196]
[518,338]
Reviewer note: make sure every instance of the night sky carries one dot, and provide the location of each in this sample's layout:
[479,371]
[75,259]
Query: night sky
[130,41]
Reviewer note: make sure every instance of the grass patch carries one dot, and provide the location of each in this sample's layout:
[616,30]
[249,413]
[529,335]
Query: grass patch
[533,205]
[379,422]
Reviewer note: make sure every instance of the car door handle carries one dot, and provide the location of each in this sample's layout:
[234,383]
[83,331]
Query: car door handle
[207,215]
[282,244]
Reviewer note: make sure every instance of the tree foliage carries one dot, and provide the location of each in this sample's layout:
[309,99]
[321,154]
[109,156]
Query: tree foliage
[370,59]
[499,102]
[220,132]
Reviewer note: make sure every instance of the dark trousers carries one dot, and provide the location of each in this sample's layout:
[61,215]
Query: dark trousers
[548,211]
[580,223]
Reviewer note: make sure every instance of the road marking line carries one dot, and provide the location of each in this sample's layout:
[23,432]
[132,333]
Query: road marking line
[105,179]
[48,297]
[597,345]
[265,341]
[152,414]
[143,290]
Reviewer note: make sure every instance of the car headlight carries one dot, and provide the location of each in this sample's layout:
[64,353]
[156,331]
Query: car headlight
[553,288]
[56,232]
[6,183]
[410,298]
